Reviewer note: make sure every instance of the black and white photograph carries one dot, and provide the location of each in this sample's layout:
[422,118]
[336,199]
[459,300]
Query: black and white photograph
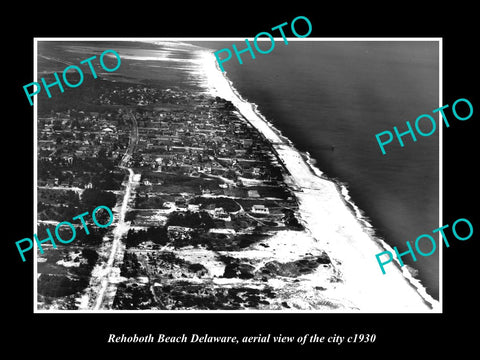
[215,180]
[224,180]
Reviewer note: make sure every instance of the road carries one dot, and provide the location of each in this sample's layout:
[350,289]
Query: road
[109,275]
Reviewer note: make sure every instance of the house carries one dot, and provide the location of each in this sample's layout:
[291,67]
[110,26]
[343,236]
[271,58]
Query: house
[179,229]
[193,207]
[222,231]
[246,142]
[180,200]
[220,214]
[260,209]
[179,232]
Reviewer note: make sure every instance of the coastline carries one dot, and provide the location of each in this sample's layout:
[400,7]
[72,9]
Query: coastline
[333,219]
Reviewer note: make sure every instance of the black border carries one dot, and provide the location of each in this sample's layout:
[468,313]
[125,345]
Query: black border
[406,334]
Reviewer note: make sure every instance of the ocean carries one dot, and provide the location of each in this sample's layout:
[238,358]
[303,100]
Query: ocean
[330,98]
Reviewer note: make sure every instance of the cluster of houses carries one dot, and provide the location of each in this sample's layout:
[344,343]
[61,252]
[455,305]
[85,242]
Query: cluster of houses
[203,139]
[83,135]
[207,140]
[64,138]
[142,95]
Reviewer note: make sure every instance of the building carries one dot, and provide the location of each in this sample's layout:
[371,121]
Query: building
[220,214]
[260,209]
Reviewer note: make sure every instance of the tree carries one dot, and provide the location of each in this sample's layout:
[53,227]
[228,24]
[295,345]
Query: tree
[91,198]
[102,153]
[104,181]
[91,256]
[290,220]
[158,235]
[192,220]
[75,124]
[134,238]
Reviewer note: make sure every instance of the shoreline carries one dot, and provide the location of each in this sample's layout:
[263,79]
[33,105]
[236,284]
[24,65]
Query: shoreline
[332,218]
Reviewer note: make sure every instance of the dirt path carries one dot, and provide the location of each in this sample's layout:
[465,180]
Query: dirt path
[105,276]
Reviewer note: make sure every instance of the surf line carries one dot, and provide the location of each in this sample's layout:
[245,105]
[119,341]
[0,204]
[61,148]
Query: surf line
[432,241]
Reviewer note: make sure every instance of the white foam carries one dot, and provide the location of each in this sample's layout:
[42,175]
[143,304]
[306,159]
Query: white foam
[344,234]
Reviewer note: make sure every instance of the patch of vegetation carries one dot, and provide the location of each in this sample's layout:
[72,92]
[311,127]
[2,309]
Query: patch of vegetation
[191,219]
[91,198]
[157,235]
[296,268]
[68,280]
[184,295]
[222,242]
[149,202]
[131,267]
[229,205]
[133,297]
[54,285]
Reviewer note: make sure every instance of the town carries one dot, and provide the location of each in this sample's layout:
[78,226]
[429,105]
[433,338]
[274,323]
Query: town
[189,181]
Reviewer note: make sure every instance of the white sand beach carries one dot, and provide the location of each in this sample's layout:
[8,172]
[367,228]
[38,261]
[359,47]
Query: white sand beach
[334,226]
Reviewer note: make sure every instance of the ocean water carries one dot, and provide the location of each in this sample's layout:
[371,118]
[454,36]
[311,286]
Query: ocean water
[165,64]
[331,98]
